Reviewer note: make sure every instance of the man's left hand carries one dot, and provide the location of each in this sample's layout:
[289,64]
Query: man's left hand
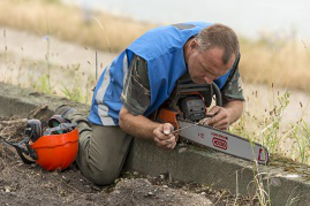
[219,118]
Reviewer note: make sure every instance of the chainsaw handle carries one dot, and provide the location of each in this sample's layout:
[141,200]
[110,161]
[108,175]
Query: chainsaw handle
[218,95]
[217,91]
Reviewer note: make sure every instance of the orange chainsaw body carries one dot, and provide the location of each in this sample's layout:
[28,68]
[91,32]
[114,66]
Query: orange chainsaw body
[170,113]
[167,115]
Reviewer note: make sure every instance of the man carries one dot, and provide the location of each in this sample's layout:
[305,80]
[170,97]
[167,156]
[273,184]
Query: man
[141,78]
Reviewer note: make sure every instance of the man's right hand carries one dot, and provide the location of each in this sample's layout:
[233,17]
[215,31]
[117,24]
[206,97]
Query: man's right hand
[164,136]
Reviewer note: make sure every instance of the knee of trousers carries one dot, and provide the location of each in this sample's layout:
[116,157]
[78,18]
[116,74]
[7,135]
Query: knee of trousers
[103,177]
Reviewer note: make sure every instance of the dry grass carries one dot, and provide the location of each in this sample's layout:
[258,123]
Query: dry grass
[282,62]
[44,17]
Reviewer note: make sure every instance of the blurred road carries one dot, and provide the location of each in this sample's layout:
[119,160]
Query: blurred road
[25,45]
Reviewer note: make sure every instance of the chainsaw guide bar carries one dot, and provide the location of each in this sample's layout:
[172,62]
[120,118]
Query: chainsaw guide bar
[224,142]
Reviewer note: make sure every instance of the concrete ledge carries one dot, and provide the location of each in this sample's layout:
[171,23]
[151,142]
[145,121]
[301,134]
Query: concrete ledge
[206,166]
[20,101]
[189,164]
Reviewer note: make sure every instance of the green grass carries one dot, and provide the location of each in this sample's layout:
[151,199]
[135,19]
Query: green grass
[268,128]
[74,90]
[43,85]
[300,133]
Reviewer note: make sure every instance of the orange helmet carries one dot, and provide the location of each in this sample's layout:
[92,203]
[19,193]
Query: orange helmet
[51,145]
[56,150]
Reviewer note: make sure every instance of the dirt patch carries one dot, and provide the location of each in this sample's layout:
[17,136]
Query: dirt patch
[31,185]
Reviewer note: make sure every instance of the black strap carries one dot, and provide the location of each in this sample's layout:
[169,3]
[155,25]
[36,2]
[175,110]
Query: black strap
[20,149]
[61,127]
[235,67]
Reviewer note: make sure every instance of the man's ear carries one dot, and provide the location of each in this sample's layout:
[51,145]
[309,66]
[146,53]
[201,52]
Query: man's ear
[194,44]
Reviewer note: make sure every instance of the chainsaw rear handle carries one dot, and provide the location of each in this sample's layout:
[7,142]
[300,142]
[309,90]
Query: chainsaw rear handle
[218,95]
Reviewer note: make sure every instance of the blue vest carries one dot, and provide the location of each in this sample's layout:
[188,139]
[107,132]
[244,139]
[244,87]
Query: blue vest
[162,48]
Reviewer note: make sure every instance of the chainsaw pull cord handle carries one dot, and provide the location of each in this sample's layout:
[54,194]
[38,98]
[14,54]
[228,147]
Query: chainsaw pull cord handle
[218,95]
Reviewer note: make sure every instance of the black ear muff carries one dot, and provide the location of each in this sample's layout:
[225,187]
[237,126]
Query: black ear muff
[34,129]
[55,121]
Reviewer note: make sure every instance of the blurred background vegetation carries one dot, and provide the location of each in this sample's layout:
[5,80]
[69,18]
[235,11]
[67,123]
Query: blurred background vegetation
[265,60]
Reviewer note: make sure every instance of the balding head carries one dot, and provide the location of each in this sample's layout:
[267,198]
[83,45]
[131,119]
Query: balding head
[221,36]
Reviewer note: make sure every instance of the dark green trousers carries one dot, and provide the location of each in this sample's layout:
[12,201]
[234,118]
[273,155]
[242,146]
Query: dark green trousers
[102,150]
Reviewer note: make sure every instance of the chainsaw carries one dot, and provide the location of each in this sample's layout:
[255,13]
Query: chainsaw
[186,109]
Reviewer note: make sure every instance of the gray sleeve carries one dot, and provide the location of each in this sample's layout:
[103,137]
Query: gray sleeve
[136,95]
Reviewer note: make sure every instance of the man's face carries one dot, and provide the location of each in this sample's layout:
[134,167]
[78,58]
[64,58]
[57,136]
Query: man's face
[206,66]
